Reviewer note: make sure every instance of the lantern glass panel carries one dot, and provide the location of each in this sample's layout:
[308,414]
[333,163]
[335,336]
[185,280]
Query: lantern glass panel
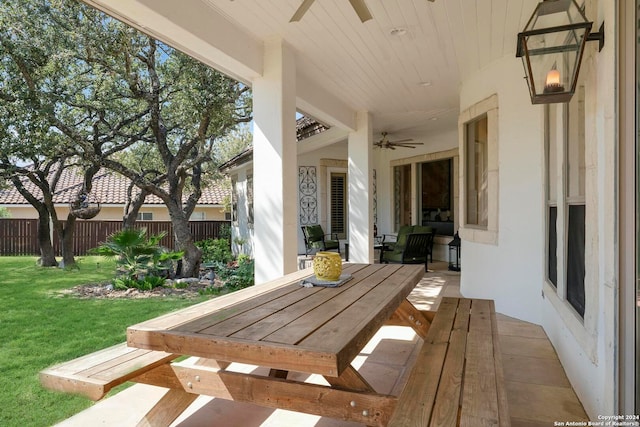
[555,13]
[553,61]
[551,47]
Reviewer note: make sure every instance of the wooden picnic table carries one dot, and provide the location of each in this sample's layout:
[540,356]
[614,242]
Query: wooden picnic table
[456,379]
[285,327]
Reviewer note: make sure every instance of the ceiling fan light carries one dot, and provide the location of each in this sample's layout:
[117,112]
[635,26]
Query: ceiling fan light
[398,31]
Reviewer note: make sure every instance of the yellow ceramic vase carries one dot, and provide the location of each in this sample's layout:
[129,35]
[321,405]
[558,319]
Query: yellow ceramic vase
[327,266]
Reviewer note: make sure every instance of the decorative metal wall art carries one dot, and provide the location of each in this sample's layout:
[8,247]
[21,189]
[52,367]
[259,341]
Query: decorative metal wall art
[375,198]
[308,194]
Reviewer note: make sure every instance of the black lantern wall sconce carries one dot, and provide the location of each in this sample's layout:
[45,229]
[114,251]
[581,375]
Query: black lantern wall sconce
[454,253]
[551,47]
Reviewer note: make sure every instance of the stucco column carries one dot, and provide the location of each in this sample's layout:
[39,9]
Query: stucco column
[361,190]
[275,164]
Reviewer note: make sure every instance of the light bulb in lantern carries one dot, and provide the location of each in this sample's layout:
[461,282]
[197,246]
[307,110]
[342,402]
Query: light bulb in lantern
[552,83]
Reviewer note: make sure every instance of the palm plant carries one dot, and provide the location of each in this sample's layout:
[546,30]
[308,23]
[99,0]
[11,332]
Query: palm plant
[136,253]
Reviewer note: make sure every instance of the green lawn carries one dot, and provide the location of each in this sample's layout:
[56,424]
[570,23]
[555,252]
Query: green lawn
[39,328]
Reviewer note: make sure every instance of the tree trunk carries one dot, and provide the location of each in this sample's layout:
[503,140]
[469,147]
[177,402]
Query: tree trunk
[184,241]
[67,231]
[133,207]
[47,255]
[68,258]
[65,235]
[129,220]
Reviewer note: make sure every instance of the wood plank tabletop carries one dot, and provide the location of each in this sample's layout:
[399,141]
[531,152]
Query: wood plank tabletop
[283,325]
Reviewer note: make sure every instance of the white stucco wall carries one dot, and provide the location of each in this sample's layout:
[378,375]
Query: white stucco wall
[512,271]
[242,233]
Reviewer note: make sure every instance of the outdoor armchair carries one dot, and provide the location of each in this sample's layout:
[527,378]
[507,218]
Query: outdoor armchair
[316,240]
[414,251]
[391,241]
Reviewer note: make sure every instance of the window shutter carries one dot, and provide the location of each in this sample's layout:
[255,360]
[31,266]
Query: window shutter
[338,204]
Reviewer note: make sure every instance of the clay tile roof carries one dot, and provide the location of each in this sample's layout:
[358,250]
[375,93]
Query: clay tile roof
[108,188]
[11,197]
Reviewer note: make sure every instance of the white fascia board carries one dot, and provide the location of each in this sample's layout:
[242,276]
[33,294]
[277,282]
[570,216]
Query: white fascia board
[322,139]
[194,28]
[237,168]
[318,103]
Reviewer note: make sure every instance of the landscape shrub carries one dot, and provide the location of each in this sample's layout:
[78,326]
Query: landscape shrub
[225,232]
[215,250]
[235,276]
[243,274]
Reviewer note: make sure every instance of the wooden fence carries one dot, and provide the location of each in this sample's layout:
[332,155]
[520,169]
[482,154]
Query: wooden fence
[20,236]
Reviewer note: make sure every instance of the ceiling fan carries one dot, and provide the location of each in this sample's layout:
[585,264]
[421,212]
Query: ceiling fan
[385,143]
[358,5]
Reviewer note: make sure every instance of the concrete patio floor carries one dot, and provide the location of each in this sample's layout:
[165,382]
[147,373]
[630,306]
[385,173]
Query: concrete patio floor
[538,390]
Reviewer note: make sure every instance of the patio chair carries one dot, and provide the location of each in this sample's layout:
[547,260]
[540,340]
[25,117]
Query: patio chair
[316,240]
[415,250]
[401,238]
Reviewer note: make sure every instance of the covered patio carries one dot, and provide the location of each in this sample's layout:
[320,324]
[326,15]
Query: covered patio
[539,392]
[534,193]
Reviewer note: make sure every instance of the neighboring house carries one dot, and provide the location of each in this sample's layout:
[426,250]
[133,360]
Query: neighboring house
[110,190]
[547,196]
[240,171]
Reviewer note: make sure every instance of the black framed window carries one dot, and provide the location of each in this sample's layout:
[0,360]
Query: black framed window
[565,160]
[234,198]
[552,246]
[575,258]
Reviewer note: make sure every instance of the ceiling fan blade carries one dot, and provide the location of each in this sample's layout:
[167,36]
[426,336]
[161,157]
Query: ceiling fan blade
[401,140]
[402,145]
[306,4]
[361,9]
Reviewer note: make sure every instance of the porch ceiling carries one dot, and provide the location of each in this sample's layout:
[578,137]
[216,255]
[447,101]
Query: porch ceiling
[408,82]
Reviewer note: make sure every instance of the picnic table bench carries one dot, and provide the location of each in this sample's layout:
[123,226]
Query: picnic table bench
[456,380]
[95,374]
